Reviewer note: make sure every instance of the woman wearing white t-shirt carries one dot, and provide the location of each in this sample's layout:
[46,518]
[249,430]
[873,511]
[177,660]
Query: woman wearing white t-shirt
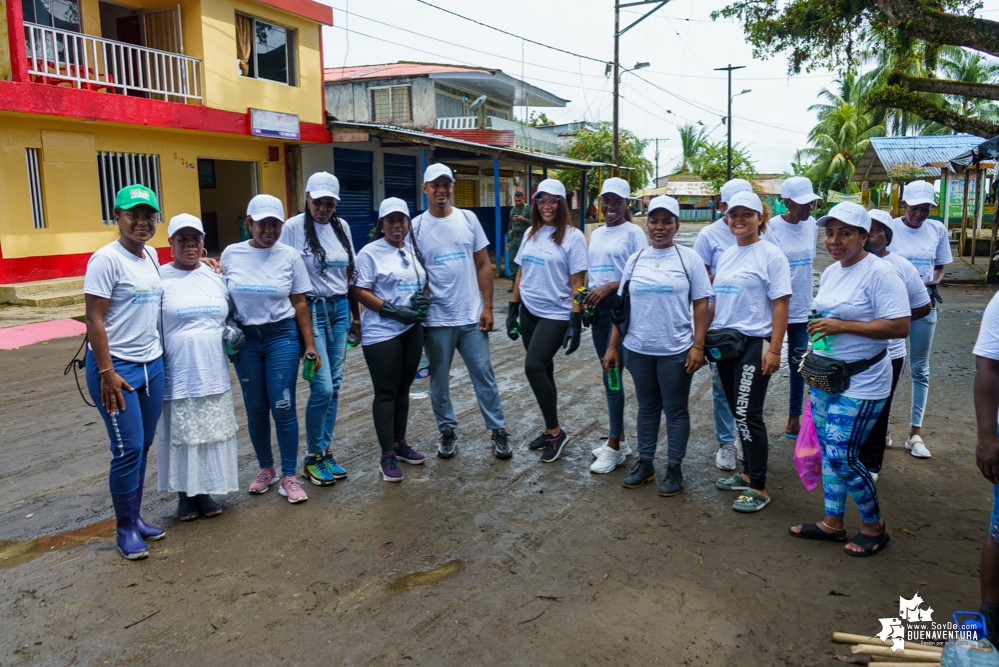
[665,344]
[610,247]
[267,282]
[196,454]
[323,240]
[125,357]
[553,262]
[863,304]
[752,288]
[391,283]
[873,451]
[924,243]
[796,234]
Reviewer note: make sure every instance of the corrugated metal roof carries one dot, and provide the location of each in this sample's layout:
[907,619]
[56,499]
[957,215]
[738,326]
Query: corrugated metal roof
[884,152]
[504,138]
[392,70]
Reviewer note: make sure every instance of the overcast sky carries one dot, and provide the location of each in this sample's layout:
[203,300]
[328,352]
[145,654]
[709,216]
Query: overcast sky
[680,42]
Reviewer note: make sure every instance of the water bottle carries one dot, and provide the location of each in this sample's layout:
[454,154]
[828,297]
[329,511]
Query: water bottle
[581,296]
[971,649]
[309,367]
[614,379]
[421,385]
[352,339]
[821,343]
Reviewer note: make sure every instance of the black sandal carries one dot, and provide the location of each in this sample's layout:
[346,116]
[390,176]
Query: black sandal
[811,531]
[871,544]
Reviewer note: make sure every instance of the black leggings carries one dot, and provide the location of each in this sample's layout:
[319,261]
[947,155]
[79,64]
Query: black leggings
[746,389]
[542,340]
[872,452]
[393,364]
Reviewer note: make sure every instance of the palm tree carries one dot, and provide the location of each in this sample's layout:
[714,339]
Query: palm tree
[841,136]
[693,140]
[960,64]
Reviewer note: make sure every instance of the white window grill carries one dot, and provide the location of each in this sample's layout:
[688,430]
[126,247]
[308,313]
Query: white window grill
[35,189]
[116,170]
[391,104]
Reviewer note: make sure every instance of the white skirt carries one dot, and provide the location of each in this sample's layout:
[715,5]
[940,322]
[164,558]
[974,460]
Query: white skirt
[196,451]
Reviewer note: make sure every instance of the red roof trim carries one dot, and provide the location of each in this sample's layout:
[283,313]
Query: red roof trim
[486,137]
[306,8]
[49,100]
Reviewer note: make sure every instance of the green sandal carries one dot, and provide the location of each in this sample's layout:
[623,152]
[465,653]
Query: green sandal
[733,483]
[751,501]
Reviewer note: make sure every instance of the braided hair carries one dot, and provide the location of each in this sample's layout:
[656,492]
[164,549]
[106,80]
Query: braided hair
[316,248]
[377,232]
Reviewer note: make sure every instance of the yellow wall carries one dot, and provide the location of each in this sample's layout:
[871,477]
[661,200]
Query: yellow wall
[69,178]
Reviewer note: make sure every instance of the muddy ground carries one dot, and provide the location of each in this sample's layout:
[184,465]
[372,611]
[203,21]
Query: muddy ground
[475,560]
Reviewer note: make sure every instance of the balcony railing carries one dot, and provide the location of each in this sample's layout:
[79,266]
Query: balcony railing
[527,138]
[63,57]
[458,123]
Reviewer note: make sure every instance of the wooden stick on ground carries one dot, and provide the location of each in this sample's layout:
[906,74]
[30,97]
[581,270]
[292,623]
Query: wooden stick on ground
[845,638]
[904,654]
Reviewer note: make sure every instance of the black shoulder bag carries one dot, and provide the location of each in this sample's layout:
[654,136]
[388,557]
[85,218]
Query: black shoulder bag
[833,375]
[621,310]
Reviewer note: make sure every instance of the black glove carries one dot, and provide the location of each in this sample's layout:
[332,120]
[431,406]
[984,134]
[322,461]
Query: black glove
[399,313]
[420,302]
[512,325]
[232,338]
[572,334]
[934,291]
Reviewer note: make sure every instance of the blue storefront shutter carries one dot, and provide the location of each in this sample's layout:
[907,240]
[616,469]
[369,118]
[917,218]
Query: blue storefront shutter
[357,194]
[400,179]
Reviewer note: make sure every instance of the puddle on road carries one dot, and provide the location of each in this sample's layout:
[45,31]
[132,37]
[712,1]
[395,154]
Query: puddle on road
[13,553]
[427,576]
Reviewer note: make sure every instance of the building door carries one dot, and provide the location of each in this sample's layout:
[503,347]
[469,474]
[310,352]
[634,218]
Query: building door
[353,169]
[226,188]
[400,179]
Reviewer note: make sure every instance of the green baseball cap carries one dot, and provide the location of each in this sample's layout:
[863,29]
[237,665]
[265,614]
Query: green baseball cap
[131,196]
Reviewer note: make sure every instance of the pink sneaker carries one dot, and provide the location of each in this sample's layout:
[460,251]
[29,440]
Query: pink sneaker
[265,478]
[292,490]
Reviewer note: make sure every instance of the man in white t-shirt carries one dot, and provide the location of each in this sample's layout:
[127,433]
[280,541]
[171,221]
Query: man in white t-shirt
[455,250]
[711,242]
[987,456]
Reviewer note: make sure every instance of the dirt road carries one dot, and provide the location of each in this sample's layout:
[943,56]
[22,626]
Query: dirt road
[474,560]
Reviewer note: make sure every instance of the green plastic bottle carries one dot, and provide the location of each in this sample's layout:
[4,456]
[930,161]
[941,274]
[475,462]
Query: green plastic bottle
[818,343]
[614,379]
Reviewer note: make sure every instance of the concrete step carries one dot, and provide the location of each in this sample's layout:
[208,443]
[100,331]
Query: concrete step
[44,293]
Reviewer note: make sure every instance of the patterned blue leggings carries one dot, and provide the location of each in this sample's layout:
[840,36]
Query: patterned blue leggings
[842,425]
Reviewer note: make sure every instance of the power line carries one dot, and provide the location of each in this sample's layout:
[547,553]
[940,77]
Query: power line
[486,25]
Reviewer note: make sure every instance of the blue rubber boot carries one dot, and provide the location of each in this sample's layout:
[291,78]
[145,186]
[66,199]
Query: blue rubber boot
[126,509]
[147,531]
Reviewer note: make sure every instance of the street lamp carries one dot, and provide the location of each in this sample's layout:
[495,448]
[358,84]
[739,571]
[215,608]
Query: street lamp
[637,66]
[728,119]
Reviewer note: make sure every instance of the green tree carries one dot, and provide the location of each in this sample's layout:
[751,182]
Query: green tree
[693,140]
[539,119]
[712,163]
[596,146]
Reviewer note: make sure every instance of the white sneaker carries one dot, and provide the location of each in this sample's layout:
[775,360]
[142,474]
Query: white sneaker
[624,448]
[607,460]
[917,448]
[888,440]
[725,458]
[738,449]
[874,475]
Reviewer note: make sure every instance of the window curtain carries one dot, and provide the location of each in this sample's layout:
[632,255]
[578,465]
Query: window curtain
[244,43]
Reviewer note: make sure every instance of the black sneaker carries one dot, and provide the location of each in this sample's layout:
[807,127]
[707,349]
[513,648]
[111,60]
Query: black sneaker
[554,446]
[187,510]
[643,472]
[538,442]
[449,443]
[501,444]
[673,482]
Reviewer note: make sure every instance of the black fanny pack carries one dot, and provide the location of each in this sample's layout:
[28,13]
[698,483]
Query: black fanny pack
[725,344]
[833,375]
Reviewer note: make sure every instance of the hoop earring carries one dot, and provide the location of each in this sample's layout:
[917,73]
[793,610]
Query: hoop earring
[204,253]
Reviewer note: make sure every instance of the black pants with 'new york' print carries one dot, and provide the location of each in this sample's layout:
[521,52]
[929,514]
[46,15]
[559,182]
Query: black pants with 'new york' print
[746,389]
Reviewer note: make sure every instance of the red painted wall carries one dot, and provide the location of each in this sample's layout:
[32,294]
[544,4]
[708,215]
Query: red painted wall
[53,266]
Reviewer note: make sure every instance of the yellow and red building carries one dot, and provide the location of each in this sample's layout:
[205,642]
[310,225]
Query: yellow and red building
[208,102]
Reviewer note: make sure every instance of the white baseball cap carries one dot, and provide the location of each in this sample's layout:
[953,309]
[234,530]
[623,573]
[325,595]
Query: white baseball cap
[799,190]
[748,199]
[552,186]
[665,202]
[884,217]
[919,192]
[734,186]
[849,213]
[181,221]
[616,186]
[391,205]
[435,171]
[265,206]
[323,184]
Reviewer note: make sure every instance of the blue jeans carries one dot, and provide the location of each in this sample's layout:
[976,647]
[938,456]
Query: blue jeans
[662,384]
[797,337]
[330,324]
[473,346]
[724,419]
[920,343]
[601,331]
[267,369]
[842,425]
[132,430]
